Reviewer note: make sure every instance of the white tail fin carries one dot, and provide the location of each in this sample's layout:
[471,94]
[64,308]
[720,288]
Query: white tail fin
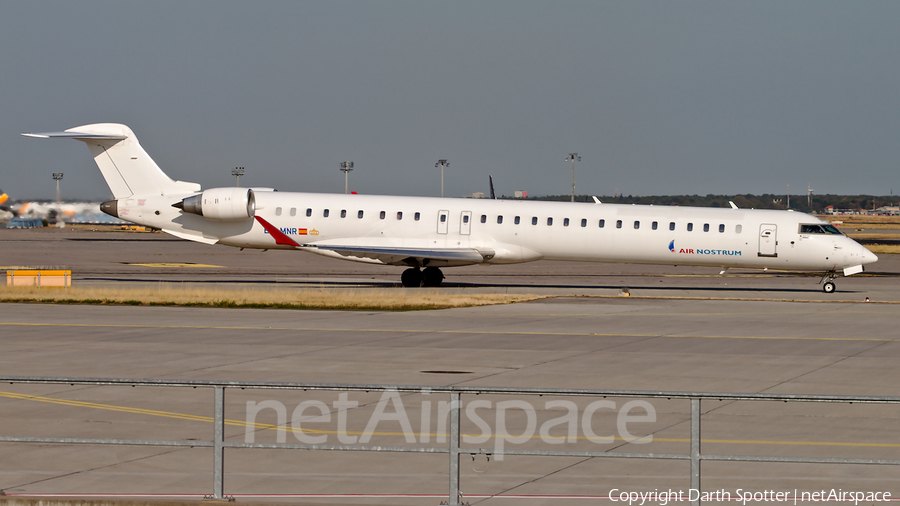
[127,168]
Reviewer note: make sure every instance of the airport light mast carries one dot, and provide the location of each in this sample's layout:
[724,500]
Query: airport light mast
[238,172]
[573,157]
[442,164]
[57,176]
[346,167]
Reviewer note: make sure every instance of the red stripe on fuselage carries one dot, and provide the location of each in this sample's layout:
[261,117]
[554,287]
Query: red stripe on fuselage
[280,238]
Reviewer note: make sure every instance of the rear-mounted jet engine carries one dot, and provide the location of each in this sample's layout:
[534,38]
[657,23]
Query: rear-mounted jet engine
[221,204]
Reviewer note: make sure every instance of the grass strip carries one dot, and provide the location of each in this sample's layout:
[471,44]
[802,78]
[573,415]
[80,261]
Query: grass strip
[378,299]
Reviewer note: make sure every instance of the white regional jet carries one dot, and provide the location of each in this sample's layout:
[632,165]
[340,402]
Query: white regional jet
[426,233]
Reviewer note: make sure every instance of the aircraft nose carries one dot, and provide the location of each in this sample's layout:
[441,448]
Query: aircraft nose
[866,256]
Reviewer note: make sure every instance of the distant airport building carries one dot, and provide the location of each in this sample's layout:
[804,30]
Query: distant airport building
[886,211]
[832,210]
[476,195]
[521,194]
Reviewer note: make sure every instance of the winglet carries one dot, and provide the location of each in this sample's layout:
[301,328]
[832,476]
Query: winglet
[733,205]
[280,238]
[596,200]
[491,180]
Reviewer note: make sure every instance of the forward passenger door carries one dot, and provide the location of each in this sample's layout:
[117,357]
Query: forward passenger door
[768,240]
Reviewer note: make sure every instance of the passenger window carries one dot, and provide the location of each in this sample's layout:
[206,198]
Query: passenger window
[690,227]
[466,218]
[549,221]
[618,223]
[343,213]
[277,211]
[706,227]
[737,229]
[419,215]
[399,215]
[671,225]
[325,213]
[484,218]
[566,222]
[654,225]
[534,220]
[517,220]
[308,212]
[602,223]
[293,211]
[499,219]
[583,222]
[381,215]
[637,225]
[443,218]
[721,228]
[359,214]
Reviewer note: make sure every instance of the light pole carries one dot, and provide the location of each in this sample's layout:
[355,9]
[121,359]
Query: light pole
[57,176]
[442,164]
[346,167]
[573,157]
[238,172]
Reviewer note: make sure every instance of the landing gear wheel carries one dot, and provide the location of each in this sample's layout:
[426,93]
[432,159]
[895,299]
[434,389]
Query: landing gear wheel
[432,276]
[828,287]
[411,278]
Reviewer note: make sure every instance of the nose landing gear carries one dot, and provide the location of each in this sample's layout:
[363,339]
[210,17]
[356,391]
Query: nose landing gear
[414,278]
[828,282]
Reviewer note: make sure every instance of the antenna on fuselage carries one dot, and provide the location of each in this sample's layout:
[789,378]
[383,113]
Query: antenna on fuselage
[491,181]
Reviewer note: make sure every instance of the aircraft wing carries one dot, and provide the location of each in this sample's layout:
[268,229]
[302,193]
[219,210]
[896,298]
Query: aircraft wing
[408,256]
[389,255]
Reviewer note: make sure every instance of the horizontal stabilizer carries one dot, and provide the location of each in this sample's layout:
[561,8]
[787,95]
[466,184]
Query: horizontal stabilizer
[77,136]
[126,167]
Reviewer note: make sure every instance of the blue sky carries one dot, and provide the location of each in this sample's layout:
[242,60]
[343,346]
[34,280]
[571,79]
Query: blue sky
[657,97]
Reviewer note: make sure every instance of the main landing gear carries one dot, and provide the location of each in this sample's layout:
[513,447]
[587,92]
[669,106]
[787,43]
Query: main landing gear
[430,277]
[828,282]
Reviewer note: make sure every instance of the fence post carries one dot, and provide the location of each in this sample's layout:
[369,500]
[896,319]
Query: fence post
[695,450]
[454,449]
[219,448]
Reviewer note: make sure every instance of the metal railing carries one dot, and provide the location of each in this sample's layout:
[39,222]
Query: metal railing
[695,456]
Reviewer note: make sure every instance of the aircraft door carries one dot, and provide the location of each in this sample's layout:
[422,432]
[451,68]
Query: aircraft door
[465,223]
[443,221]
[768,240]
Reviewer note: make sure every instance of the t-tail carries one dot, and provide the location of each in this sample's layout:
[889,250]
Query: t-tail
[126,167]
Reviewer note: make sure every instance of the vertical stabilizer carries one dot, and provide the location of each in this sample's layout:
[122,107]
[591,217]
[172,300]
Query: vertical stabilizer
[126,167]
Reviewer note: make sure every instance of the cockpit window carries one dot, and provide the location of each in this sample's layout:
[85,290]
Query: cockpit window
[819,229]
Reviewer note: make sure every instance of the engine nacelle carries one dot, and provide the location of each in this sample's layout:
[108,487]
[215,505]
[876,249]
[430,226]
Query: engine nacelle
[221,204]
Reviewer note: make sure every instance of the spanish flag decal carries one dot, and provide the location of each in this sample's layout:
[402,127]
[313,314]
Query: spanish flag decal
[301,231]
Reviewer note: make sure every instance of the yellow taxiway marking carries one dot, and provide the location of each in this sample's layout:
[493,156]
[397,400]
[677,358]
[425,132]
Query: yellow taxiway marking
[264,426]
[433,331]
[173,264]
